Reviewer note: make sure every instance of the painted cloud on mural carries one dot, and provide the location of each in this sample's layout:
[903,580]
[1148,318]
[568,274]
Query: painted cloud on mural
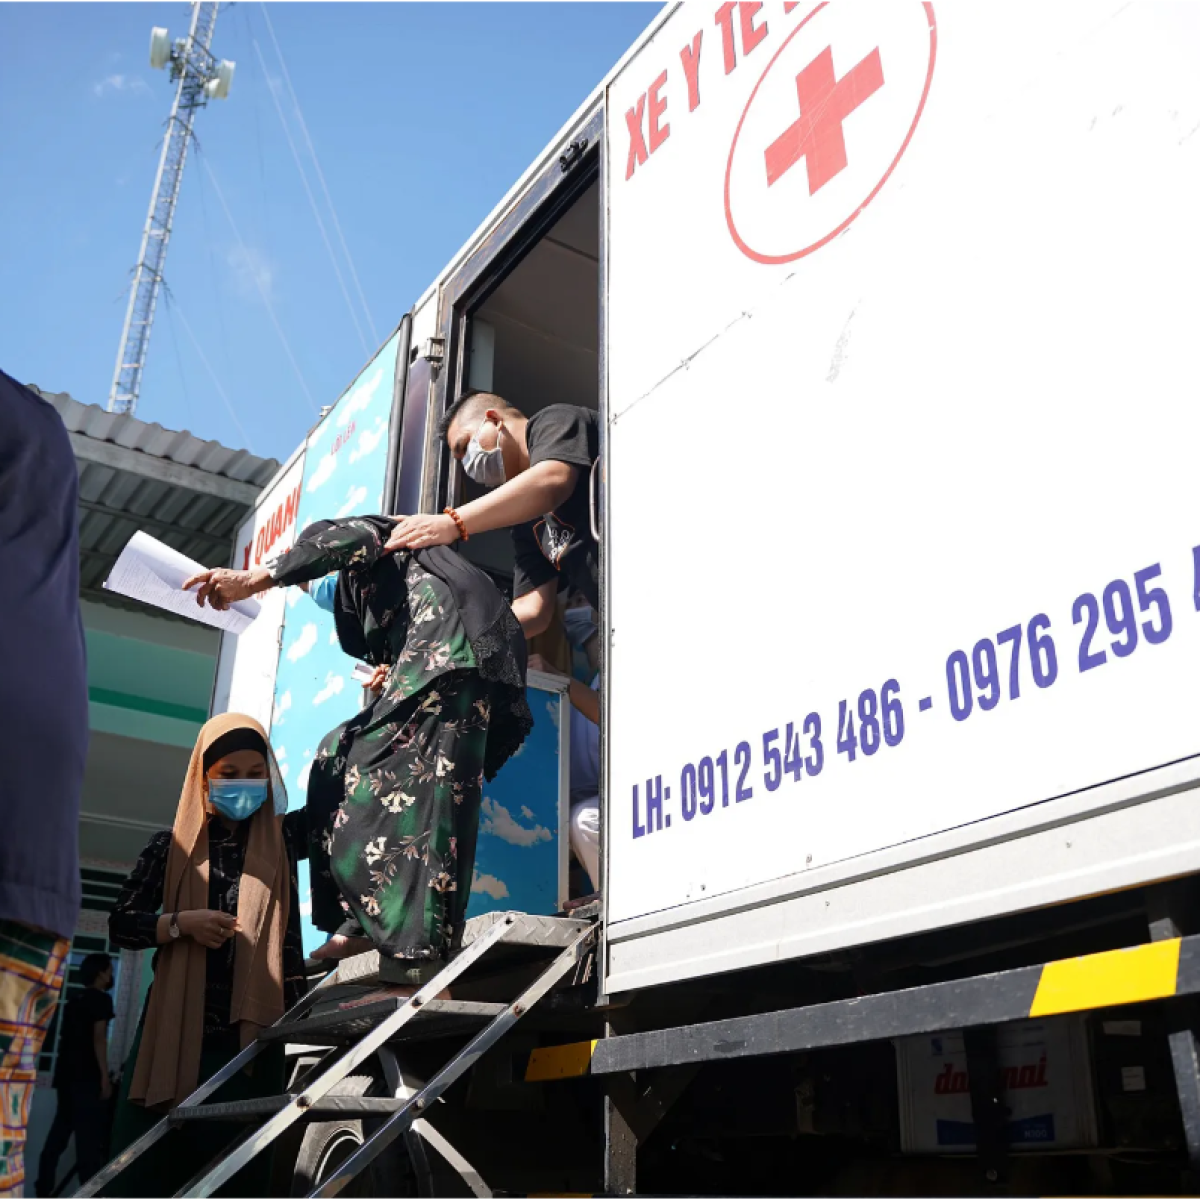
[304,643]
[489,885]
[360,398]
[333,687]
[498,821]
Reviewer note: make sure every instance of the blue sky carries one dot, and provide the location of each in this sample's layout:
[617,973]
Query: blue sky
[422,116]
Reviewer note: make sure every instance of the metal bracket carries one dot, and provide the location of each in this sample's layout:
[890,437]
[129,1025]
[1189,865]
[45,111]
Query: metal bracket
[1172,911]
[404,1086]
[433,350]
[987,1102]
[574,152]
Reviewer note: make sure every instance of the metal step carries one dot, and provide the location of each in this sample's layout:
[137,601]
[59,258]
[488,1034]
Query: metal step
[368,1028]
[268,1106]
[531,938]
[438,1018]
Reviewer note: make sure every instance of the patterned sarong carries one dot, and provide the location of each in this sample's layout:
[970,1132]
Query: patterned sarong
[31,975]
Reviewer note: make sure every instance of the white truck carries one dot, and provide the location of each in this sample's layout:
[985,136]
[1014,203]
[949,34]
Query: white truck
[890,314]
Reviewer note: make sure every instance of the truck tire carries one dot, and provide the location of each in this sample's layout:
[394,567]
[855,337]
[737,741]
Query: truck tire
[326,1145]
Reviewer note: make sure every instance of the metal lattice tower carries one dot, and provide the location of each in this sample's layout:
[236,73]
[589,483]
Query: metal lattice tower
[200,78]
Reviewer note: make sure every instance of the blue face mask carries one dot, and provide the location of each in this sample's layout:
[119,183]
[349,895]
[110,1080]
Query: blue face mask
[237,799]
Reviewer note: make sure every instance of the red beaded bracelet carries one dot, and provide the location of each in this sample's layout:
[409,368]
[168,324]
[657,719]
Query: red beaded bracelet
[462,527]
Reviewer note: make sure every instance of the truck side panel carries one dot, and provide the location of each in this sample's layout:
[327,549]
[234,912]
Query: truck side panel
[900,447]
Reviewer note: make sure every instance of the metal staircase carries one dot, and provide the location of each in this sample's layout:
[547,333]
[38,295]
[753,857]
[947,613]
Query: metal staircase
[348,1034]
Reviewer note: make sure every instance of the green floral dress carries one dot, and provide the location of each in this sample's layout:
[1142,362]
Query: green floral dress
[394,793]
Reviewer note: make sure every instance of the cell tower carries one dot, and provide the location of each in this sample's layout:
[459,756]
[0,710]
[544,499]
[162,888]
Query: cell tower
[201,78]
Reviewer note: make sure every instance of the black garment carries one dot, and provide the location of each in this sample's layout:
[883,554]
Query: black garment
[371,613]
[133,921]
[43,683]
[561,541]
[84,1115]
[76,1053]
[394,793]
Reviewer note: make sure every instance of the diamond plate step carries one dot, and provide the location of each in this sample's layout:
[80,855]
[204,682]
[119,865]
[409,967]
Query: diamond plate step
[438,1018]
[531,936]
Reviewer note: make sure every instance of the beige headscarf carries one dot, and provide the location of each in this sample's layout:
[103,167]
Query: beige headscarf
[168,1063]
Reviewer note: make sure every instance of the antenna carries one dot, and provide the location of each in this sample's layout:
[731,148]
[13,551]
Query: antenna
[201,78]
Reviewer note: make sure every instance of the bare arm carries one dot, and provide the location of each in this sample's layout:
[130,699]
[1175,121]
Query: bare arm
[585,700]
[539,490]
[535,609]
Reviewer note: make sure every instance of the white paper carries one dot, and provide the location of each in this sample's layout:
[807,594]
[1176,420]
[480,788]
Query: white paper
[152,572]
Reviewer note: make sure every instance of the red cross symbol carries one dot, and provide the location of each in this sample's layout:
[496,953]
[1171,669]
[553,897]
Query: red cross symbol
[816,136]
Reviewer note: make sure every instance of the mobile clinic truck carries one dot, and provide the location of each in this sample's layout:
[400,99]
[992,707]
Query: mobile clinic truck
[889,313]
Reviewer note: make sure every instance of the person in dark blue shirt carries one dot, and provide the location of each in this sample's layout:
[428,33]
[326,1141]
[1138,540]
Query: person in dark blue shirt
[44,715]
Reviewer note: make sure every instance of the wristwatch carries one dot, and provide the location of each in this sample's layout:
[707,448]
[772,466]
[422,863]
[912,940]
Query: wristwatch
[173,928]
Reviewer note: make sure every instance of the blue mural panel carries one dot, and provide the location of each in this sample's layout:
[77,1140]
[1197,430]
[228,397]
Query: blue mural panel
[344,467]
[520,859]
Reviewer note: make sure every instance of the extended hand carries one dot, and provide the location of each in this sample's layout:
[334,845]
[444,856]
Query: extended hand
[378,679]
[421,532]
[222,587]
[538,663]
[207,926]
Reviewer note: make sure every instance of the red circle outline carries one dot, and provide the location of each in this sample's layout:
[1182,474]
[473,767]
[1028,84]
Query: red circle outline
[772,259]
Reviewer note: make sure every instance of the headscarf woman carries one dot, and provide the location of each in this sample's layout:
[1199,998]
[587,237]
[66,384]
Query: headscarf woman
[394,793]
[217,895]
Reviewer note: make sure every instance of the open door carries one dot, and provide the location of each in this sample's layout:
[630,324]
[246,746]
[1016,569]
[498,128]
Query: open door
[521,317]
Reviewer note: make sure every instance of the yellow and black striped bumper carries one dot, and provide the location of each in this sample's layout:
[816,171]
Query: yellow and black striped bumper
[1156,971]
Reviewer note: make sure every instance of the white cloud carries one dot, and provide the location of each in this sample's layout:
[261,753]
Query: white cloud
[527,812]
[333,638]
[304,643]
[130,84]
[281,706]
[489,885]
[333,686]
[306,906]
[253,274]
[368,440]
[283,770]
[354,500]
[500,822]
[359,398]
[305,771]
[322,473]
[552,709]
[293,596]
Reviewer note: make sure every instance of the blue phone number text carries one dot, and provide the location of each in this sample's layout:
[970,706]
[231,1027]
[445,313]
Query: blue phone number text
[1111,624]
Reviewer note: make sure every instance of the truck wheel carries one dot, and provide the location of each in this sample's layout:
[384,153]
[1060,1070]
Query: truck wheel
[328,1144]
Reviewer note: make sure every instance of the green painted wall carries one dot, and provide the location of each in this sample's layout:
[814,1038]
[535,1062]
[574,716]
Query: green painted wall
[146,690]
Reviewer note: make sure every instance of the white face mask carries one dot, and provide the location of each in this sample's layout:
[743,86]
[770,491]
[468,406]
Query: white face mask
[486,467]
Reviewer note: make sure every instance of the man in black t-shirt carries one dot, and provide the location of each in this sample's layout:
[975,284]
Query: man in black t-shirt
[81,1077]
[539,469]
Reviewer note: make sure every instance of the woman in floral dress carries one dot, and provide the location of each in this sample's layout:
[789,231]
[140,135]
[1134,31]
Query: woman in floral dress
[394,793]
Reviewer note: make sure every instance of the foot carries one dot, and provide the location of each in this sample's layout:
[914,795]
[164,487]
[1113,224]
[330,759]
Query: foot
[339,946]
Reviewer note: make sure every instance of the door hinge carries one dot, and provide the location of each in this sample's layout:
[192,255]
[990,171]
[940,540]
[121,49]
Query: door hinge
[574,153]
[434,349]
